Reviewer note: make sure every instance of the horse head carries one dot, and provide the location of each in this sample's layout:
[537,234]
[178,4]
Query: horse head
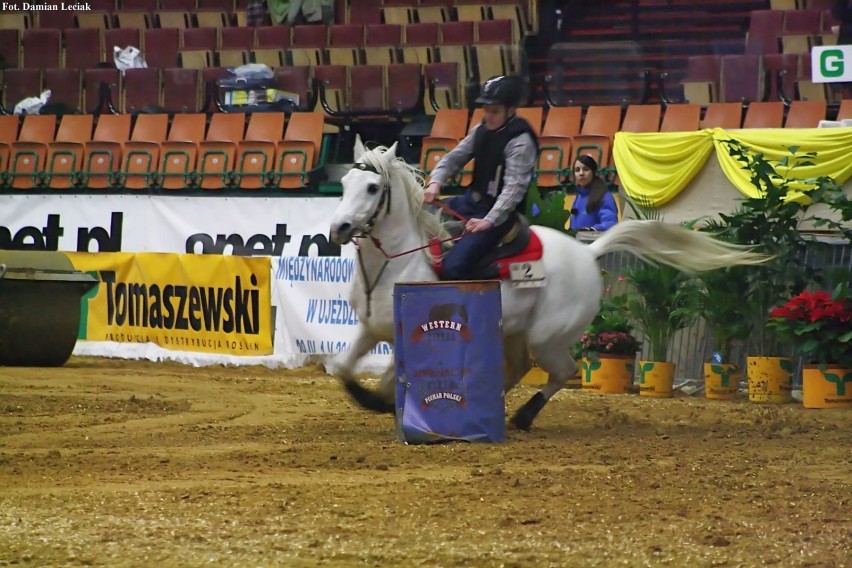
[366,193]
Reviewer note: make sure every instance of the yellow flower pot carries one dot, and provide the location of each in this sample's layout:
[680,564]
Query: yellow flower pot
[831,388]
[607,374]
[769,379]
[721,381]
[656,379]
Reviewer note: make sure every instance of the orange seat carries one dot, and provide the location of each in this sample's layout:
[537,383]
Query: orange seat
[533,115]
[554,158]
[805,114]
[845,111]
[723,115]
[599,128]
[8,135]
[764,115]
[299,151]
[642,118]
[103,153]
[141,155]
[219,149]
[447,129]
[681,118]
[65,155]
[27,155]
[256,153]
[180,151]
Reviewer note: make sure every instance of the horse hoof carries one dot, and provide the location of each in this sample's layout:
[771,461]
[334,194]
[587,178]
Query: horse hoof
[368,399]
[523,418]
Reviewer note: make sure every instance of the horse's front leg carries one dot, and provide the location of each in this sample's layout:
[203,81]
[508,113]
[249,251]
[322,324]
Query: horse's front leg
[344,368]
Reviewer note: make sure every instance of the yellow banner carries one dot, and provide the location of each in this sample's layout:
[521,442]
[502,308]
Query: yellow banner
[183,302]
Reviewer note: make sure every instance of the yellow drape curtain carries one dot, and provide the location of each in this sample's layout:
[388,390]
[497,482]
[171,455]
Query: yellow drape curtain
[654,168]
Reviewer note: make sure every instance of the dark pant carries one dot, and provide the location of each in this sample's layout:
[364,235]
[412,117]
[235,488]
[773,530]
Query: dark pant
[463,261]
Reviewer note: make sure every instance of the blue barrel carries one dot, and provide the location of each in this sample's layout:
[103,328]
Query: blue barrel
[449,362]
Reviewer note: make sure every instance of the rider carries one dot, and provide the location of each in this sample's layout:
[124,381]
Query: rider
[505,148]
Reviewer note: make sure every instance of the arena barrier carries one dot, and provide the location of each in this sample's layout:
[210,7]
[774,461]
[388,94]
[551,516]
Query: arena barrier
[449,362]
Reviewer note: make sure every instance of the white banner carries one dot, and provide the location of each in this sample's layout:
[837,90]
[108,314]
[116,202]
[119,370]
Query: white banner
[831,64]
[311,277]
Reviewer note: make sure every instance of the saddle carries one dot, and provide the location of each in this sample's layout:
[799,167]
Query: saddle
[520,244]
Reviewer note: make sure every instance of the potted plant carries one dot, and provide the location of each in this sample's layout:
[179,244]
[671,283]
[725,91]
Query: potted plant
[721,302]
[663,300]
[771,221]
[819,326]
[608,349]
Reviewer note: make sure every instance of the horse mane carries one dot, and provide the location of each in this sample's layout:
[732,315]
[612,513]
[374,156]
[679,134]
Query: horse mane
[428,223]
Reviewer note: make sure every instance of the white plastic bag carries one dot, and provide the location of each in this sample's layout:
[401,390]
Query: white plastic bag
[32,105]
[128,58]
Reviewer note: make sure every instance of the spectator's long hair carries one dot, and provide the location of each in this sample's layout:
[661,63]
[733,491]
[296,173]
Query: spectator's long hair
[597,190]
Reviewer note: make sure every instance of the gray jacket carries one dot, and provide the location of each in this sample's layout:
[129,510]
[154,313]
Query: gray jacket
[520,157]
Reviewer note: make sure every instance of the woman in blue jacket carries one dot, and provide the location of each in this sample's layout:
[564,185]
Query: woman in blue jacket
[594,208]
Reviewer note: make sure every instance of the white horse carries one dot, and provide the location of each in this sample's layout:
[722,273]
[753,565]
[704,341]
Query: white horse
[383,201]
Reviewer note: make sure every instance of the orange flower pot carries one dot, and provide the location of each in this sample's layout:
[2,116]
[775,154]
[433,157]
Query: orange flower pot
[769,379]
[656,379]
[831,388]
[607,374]
[721,381]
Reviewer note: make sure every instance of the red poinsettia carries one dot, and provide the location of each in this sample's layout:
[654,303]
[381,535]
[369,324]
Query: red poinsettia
[818,324]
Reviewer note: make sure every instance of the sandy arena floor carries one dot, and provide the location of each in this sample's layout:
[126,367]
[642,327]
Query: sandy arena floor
[114,463]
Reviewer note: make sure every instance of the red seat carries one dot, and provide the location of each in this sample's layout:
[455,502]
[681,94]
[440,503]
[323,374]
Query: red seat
[806,22]
[295,79]
[333,79]
[205,39]
[56,19]
[147,5]
[10,46]
[92,79]
[220,5]
[181,90]
[365,12]
[65,87]
[42,48]
[20,84]
[121,38]
[236,38]
[422,34]
[346,35]
[494,31]
[273,37]
[457,33]
[310,36]
[383,34]
[742,78]
[404,86]
[141,89]
[83,48]
[161,47]
[764,29]
[366,88]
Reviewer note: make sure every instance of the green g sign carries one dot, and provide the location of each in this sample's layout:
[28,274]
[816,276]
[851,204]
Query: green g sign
[831,64]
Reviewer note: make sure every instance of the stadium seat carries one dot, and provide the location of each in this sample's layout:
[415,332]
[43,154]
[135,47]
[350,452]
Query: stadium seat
[419,42]
[444,80]
[195,59]
[42,49]
[333,81]
[382,35]
[398,15]
[64,165]
[273,37]
[232,57]
[267,56]
[723,115]
[8,135]
[99,19]
[534,116]
[19,84]
[742,78]
[471,12]
[181,90]
[141,90]
[429,14]
[554,159]
[701,85]
[365,88]
[161,47]
[515,14]
[764,115]
[845,110]
[200,39]
[364,12]
[404,86]
[10,47]
[212,19]
[55,19]
[642,118]
[295,80]
[495,31]
[141,155]
[172,19]
[180,151]
[140,20]
[221,5]
[83,48]
[217,153]
[92,78]
[765,27]
[681,118]
[121,38]
[238,38]
[345,35]
[457,33]
[27,155]
[310,36]
[805,114]
[65,87]
[599,128]
[102,155]
[781,67]
[15,21]
[298,152]
[449,127]
[805,22]
[255,163]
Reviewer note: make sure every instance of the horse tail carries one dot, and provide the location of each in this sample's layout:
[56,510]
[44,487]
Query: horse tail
[673,245]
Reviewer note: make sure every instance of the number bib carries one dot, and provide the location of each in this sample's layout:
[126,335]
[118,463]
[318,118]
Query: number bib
[529,274]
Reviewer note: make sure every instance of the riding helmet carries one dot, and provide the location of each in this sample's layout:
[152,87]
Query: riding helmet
[501,90]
